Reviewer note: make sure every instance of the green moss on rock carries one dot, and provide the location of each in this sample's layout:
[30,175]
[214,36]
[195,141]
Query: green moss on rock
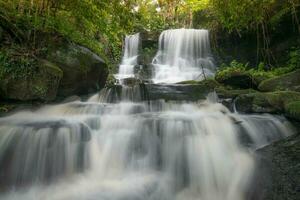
[293,110]
[271,102]
[83,71]
[39,86]
[289,81]
[229,93]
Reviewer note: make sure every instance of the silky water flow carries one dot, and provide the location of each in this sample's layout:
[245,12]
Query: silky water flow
[125,147]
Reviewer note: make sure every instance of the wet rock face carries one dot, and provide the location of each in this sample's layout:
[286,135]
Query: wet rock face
[278,175]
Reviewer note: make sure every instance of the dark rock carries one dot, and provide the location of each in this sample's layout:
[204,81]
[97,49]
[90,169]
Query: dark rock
[41,86]
[131,81]
[83,71]
[149,46]
[290,81]
[1,34]
[181,92]
[71,99]
[278,171]
[238,79]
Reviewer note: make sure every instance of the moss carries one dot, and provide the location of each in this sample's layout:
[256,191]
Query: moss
[208,82]
[281,98]
[51,68]
[293,109]
[271,102]
[289,81]
[231,93]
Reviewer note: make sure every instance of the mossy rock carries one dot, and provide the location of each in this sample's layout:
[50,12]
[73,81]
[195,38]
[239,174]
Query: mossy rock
[293,110]
[83,71]
[271,102]
[237,79]
[289,81]
[208,82]
[181,92]
[231,93]
[40,86]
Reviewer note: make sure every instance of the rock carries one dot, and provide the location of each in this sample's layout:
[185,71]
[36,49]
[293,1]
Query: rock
[83,71]
[131,81]
[181,92]
[254,103]
[279,170]
[293,110]
[231,94]
[149,46]
[41,86]
[237,80]
[71,99]
[289,81]
[145,73]
[271,102]
[1,34]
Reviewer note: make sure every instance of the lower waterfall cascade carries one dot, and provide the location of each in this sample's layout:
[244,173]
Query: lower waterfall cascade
[127,147]
[132,150]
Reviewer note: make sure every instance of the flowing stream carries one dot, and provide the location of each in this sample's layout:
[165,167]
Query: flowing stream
[132,149]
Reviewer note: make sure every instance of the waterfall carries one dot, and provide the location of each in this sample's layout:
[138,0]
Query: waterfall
[130,57]
[184,54]
[121,145]
[132,150]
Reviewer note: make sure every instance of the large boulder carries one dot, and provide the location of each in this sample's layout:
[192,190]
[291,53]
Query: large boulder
[289,81]
[42,85]
[83,71]
[278,175]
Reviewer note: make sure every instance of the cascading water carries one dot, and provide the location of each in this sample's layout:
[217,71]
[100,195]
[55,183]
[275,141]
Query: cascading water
[184,54]
[125,147]
[129,61]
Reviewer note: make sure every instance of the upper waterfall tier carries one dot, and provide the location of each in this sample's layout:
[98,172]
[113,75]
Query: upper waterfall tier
[184,54]
[130,57]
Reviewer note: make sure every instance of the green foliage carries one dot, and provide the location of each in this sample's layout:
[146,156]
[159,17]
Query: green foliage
[293,109]
[233,68]
[294,58]
[40,91]
[17,64]
[261,70]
